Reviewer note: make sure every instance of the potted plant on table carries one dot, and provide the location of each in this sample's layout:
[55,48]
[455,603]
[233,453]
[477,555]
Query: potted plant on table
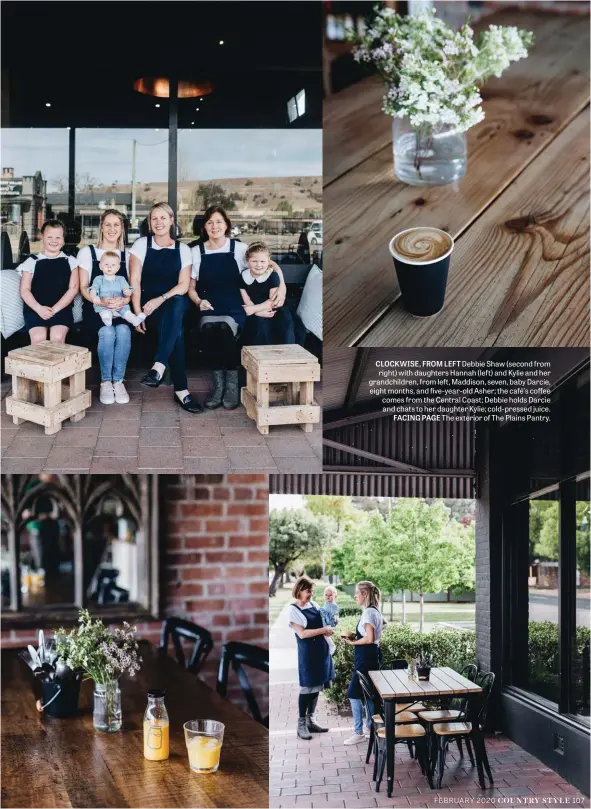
[103,655]
[432,75]
[424,666]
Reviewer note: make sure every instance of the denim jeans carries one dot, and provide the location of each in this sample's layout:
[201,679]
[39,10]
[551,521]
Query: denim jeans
[114,345]
[357,708]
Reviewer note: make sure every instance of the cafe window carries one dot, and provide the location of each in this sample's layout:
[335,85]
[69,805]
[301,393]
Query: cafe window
[268,180]
[126,169]
[70,541]
[546,553]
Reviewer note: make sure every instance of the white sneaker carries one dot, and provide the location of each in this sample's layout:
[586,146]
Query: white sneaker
[107,393]
[356,738]
[121,395]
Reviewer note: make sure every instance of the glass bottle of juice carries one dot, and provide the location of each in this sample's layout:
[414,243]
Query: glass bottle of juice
[156,740]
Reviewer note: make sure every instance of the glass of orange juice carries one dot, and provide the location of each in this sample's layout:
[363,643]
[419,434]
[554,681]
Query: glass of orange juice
[204,738]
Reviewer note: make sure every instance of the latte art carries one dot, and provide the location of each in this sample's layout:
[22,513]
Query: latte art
[422,244]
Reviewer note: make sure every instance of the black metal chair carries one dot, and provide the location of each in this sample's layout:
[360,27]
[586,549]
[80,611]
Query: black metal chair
[180,630]
[407,730]
[468,727]
[240,655]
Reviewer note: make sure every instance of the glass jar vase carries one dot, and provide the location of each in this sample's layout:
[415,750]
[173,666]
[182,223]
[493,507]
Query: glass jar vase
[107,707]
[428,155]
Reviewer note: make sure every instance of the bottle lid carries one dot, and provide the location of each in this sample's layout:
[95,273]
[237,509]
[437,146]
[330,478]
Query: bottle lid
[157,693]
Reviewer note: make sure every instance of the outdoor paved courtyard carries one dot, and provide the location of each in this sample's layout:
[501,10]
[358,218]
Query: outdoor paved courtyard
[324,773]
[153,434]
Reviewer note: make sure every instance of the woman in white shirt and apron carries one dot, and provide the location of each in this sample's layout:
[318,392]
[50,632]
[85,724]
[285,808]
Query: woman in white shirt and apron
[114,342]
[315,666]
[367,652]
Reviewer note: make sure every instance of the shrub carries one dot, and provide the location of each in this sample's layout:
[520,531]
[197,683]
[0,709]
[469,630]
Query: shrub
[543,655]
[449,647]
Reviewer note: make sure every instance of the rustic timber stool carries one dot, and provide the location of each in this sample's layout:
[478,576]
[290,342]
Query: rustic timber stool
[285,374]
[39,375]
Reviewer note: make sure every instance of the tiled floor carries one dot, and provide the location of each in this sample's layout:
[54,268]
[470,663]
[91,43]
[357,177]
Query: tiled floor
[153,434]
[325,773]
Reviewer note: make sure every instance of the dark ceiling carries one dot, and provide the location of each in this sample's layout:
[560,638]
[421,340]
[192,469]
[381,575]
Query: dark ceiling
[83,57]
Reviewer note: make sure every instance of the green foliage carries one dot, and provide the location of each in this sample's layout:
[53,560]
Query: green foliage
[285,205]
[292,532]
[213,193]
[449,647]
[544,531]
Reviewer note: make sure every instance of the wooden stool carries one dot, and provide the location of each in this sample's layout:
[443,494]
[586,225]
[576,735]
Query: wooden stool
[280,374]
[37,375]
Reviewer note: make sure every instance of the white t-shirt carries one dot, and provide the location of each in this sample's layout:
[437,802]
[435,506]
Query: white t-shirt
[373,617]
[84,257]
[294,616]
[240,249]
[140,248]
[29,264]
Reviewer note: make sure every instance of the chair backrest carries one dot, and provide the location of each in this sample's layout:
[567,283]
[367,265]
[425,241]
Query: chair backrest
[486,681]
[470,672]
[369,692]
[395,663]
[179,629]
[240,655]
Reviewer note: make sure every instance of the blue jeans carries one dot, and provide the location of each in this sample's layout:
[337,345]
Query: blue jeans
[357,708]
[114,345]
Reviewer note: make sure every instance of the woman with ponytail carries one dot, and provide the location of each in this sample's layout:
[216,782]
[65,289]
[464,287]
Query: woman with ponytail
[367,652]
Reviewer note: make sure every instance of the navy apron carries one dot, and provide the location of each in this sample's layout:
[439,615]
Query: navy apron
[160,271]
[51,280]
[315,664]
[91,319]
[367,658]
[219,283]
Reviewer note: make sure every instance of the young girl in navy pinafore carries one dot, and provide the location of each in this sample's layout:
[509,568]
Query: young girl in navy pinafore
[50,282]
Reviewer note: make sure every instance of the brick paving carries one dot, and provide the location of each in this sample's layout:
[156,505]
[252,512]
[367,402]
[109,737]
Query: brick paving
[324,773]
[153,434]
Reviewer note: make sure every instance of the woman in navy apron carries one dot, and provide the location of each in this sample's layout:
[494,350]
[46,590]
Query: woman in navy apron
[49,284]
[215,288]
[315,666]
[367,652]
[160,275]
[114,342]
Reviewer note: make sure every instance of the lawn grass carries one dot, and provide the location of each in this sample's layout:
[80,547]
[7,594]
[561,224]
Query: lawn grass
[435,613]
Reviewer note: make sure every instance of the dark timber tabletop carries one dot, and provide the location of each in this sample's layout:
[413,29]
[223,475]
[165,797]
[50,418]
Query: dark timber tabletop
[66,763]
[520,271]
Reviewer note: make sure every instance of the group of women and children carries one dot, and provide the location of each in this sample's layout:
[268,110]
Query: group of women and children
[314,627]
[239,291]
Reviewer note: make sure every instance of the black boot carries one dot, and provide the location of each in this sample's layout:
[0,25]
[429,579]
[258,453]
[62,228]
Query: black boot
[303,731]
[215,397]
[312,726]
[232,391]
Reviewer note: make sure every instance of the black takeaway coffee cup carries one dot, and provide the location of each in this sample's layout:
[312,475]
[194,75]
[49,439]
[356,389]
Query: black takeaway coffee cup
[421,257]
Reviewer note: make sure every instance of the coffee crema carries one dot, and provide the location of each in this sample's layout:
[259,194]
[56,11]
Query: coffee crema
[422,244]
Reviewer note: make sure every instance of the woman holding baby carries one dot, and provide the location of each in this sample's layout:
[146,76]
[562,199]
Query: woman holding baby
[315,666]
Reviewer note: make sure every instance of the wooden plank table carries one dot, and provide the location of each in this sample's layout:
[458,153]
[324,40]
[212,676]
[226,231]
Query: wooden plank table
[394,685]
[520,216]
[66,763]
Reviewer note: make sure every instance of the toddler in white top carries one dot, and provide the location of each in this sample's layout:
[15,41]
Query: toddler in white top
[111,285]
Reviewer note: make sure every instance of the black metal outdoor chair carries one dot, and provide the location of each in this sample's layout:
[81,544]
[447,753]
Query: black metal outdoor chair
[180,630]
[407,730]
[455,708]
[240,655]
[468,727]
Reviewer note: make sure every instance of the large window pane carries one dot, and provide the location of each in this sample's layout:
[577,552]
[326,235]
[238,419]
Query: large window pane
[126,169]
[269,181]
[543,590]
[580,683]
[34,164]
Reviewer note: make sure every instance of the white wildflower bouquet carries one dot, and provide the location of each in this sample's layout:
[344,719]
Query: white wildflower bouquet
[102,654]
[432,72]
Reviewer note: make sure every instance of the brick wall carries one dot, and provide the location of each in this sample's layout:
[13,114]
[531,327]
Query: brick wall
[214,562]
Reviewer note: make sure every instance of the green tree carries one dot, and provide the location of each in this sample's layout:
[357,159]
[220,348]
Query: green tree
[213,193]
[292,533]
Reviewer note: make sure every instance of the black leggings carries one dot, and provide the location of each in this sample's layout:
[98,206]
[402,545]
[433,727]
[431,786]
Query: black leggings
[307,704]
[168,321]
[222,349]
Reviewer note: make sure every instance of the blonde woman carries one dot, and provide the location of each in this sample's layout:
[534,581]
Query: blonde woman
[367,652]
[114,342]
[315,666]
[160,276]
